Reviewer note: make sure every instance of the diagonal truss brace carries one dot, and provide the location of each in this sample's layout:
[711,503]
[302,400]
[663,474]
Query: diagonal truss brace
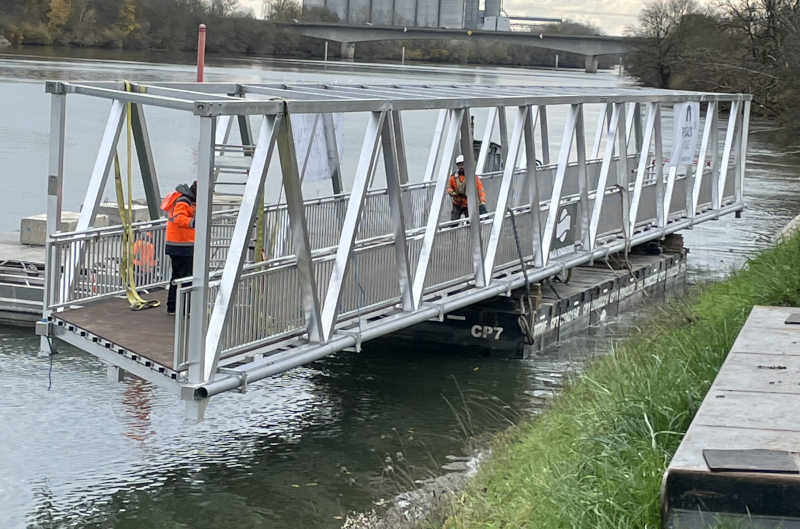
[432,224]
[505,188]
[239,242]
[299,226]
[366,164]
[394,163]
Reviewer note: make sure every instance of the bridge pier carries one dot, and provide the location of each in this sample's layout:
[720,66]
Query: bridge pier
[591,63]
[349,51]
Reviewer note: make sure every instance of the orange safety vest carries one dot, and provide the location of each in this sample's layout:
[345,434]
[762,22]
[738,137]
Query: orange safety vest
[144,254]
[180,229]
[459,185]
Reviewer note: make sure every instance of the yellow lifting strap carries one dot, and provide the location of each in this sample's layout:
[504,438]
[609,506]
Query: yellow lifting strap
[126,269]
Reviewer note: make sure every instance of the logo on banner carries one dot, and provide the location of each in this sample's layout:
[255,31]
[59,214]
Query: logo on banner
[685,133]
[564,223]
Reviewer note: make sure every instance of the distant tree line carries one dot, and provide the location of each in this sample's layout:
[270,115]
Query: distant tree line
[749,46]
[172,25]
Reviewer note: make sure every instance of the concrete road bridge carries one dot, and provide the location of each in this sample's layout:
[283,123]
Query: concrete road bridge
[349,34]
[380,254]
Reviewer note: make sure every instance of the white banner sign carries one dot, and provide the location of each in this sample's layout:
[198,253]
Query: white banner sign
[685,133]
[311,147]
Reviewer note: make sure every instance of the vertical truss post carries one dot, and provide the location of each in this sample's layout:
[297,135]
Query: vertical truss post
[659,154]
[147,164]
[344,252]
[94,192]
[391,162]
[608,155]
[637,126]
[644,150]
[476,238]
[583,180]
[198,321]
[438,132]
[601,131]
[505,188]
[715,198]
[399,151]
[299,227]
[240,240]
[701,158]
[629,125]
[533,184]
[558,181]
[486,140]
[432,224]
[741,158]
[333,153]
[733,117]
[544,135]
[624,168]
[55,182]
[503,124]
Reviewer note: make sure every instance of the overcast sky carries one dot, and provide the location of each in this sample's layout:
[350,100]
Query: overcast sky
[611,16]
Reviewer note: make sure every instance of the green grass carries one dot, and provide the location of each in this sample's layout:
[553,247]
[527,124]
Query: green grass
[596,458]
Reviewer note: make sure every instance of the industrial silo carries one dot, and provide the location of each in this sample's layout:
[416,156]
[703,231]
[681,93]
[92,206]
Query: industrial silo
[359,12]
[382,12]
[472,14]
[338,8]
[451,13]
[492,8]
[428,13]
[405,13]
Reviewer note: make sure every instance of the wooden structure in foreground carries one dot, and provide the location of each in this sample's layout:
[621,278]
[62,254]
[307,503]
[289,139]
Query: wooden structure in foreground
[738,463]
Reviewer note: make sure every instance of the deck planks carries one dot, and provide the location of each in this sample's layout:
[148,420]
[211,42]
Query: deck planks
[113,320]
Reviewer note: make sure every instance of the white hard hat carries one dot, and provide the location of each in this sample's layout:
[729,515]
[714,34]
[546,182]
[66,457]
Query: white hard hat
[460,158]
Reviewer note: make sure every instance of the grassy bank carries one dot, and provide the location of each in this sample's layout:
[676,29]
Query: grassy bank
[596,459]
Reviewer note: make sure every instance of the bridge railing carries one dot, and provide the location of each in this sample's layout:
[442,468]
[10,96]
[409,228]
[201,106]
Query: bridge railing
[340,268]
[269,305]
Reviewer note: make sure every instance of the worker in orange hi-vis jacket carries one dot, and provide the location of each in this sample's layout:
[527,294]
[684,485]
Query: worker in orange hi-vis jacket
[457,189]
[180,205]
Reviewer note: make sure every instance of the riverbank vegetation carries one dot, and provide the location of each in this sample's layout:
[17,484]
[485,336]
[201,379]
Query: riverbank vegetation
[743,46]
[596,458]
[171,25]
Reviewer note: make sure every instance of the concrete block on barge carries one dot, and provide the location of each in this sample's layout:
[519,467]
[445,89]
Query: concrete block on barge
[33,230]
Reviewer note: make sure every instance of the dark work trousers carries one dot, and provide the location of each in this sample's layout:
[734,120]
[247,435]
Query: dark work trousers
[458,211]
[181,267]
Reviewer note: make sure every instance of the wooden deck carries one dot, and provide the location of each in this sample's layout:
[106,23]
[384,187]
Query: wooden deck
[149,333]
[739,462]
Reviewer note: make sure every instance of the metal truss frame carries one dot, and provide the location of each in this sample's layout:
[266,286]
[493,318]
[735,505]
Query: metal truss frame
[624,147]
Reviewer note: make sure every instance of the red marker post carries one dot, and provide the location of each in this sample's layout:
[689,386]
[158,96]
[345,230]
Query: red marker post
[201,52]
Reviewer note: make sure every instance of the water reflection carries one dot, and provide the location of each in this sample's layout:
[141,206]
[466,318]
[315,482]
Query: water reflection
[137,403]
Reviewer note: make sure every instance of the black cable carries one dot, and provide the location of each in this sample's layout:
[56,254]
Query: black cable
[50,371]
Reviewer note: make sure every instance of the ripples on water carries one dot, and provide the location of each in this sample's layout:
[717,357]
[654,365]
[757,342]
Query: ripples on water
[305,448]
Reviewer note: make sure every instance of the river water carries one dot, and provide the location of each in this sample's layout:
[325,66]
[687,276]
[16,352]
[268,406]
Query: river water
[308,447]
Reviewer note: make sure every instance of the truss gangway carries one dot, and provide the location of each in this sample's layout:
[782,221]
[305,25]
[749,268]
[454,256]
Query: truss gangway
[280,280]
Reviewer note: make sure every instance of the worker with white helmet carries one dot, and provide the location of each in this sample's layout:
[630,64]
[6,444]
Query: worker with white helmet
[457,189]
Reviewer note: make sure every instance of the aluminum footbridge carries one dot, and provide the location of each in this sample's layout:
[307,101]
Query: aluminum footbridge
[281,278]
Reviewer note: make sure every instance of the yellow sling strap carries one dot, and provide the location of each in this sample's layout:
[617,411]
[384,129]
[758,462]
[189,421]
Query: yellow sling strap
[126,270]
